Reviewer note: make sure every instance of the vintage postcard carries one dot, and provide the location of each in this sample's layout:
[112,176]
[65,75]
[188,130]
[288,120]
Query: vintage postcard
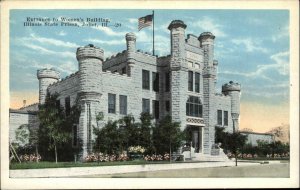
[149,94]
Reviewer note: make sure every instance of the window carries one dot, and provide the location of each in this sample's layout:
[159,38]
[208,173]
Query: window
[155,81]
[123,105]
[155,109]
[146,105]
[197,82]
[67,105]
[190,82]
[146,79]
[219,117]
[111,103]
[75,135]
[225,118]
[194,107]
[167,106]
[167,78]
[197,66]
[124,70]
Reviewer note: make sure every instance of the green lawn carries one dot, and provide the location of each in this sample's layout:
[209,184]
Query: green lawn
[44,164]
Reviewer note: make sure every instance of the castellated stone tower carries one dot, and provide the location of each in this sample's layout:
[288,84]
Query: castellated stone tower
[131,43]
[178,75]
[233,90]
[46,77]
[90,60]
[209,81]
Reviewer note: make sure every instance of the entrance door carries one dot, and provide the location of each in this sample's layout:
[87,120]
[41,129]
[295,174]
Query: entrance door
[196,134]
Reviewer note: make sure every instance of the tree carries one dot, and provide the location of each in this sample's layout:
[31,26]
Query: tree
[145,127]
[167,136]
[52,120]
[232,142]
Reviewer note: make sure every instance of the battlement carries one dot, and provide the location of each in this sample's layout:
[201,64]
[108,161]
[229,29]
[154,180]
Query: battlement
[176,24]
[206,35]
[209,71]
[231,86]
[89,51]
[48,73]
[63,79]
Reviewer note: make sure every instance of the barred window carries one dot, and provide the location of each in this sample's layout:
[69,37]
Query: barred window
[123,105]
[155,109]
[194,107]
[219,115]
[190,81]
[167,106]
[225,118]
[155,82]
[111,103]
[67,105]
[167,81]
[146,79]
[197,82]
[146,105]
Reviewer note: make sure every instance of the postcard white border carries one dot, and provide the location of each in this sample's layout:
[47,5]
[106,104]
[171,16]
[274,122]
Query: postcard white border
[133,183]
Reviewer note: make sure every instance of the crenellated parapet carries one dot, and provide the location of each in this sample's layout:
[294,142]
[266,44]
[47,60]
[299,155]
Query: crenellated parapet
[209,72]
[46,78]
[231,86]
[48,73]
[89,51]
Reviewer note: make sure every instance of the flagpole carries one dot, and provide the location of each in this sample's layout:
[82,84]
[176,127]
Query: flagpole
[153,32]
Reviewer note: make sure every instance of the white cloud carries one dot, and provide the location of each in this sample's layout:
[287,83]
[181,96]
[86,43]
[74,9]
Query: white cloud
[280,64]
[62,33]
[250,44]
[52,41]
[207,24]
[107,42]
[281,33]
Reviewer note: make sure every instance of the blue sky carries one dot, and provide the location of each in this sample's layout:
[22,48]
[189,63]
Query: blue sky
[252,46]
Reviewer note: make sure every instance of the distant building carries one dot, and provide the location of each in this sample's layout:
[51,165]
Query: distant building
[181,85]
[254,137]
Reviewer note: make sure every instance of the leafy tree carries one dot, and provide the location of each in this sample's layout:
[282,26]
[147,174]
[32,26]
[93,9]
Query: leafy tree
[167,136]
[52,124]
[108,139]
[232,142]
[145,127]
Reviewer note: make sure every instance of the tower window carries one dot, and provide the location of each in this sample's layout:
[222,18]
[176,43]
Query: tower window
[155,81]
[167,106]
[194,107]
[167,81]
[111,103]
[146,105]
[225,118]
[219,115]
[146,79]
[123,105]
[124,70]
[190,81]
[197,82]
[155,109]
[67,105]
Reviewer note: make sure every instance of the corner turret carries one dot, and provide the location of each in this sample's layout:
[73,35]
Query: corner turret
[131,43]
[207,43]
[233,90]
[46,77]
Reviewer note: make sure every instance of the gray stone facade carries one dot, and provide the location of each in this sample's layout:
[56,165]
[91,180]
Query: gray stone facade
[253,137]
[122,75]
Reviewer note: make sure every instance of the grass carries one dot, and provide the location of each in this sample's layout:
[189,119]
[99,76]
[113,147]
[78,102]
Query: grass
[44,164]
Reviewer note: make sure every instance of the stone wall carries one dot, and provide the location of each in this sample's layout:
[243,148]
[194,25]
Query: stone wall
[18,118]
[253,137]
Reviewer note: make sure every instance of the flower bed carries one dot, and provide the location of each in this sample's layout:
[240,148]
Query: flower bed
[30,158]
[100,157]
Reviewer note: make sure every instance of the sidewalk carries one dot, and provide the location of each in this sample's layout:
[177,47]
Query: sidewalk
[101,170]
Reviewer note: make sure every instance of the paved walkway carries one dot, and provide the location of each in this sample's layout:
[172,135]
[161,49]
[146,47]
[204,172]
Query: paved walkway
[110,171]
[263,170]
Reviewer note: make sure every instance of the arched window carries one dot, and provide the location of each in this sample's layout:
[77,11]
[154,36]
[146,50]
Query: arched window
[194,107]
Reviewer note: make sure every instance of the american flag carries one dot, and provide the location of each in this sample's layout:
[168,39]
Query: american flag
[145,21]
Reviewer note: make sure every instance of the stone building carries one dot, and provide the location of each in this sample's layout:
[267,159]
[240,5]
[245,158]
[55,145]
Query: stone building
[254,137]
[181,85]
